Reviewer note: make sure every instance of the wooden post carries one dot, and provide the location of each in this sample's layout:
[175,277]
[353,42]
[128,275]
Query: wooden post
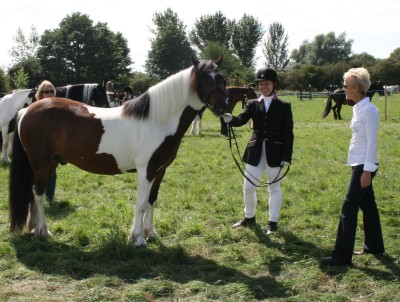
[384,89]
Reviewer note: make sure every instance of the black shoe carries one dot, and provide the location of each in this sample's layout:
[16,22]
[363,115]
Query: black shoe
[272,227]
[245,222]
[333,261]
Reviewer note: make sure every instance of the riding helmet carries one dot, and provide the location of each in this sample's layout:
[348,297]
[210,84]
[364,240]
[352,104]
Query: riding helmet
[127,89]
[266,74]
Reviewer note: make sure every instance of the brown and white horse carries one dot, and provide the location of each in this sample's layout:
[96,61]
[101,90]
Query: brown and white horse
[143,135]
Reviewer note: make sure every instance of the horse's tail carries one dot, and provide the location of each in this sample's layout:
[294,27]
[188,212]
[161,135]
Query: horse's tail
[328,106]
[20,186]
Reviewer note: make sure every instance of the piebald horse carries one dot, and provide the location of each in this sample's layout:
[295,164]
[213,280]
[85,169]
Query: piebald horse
[143,135]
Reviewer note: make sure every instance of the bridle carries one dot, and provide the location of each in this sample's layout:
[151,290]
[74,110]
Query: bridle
[205,99]
[232,137]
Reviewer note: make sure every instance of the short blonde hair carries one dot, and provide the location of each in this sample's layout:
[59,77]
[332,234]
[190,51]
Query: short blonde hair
[42,86]
[358,76]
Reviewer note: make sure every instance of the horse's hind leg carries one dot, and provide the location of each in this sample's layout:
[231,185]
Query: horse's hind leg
[334,112]
[36,218]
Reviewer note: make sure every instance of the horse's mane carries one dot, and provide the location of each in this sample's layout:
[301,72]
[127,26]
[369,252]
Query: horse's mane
[163,99]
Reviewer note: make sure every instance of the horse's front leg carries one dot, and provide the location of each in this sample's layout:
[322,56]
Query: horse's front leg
[136,235]
[148,216]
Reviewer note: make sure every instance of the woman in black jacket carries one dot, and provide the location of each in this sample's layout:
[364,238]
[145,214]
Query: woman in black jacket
[270,147]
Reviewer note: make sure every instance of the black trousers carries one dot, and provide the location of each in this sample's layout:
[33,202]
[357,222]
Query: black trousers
[364,199]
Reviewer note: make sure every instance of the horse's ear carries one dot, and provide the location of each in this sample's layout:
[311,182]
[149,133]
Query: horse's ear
[252,85]
[195,61]
[219,60]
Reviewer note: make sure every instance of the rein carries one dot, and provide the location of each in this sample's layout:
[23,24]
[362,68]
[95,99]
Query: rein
[232,137]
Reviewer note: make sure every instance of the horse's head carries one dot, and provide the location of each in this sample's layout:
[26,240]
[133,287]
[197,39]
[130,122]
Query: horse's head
[210,84]
[99,95]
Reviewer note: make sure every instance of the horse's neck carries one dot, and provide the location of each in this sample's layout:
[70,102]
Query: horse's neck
[172,96]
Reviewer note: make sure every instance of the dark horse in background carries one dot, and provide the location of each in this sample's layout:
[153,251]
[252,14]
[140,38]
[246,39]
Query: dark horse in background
[339,97]
[235,94]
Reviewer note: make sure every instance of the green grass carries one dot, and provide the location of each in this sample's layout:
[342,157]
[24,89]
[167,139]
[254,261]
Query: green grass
[198,256]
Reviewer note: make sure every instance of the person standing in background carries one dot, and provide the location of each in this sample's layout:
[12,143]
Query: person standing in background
[46,89]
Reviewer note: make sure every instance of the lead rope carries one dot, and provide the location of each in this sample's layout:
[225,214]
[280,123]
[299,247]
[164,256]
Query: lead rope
[232,136]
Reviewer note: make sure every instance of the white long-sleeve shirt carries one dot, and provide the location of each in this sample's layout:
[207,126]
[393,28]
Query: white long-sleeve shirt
[363,144]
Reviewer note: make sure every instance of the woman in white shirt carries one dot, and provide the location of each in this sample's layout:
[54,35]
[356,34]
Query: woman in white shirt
[363,159]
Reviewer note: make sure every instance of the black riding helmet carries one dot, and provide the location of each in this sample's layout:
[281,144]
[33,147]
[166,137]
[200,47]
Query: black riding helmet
[127,89]
[267,74]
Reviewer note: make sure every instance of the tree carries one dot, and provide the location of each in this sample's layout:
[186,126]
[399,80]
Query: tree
[231,67]
[32,68]
[78,52]
[4,85]
[362,60]
[21,79]
[25,49]
[276,47]
[24,55]
[216,28]
[246,34]
[324,49]
[170,50]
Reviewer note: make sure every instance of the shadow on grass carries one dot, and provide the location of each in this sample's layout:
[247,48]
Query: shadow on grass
[134,264]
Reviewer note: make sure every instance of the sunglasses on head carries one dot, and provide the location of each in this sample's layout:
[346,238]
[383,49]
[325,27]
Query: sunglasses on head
[48,91]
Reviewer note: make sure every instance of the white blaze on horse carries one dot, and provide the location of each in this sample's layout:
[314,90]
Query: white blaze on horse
[9,106]
[143,135]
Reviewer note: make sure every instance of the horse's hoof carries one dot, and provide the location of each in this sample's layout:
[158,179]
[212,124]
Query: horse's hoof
[42,232]
[151,234]
[138,241]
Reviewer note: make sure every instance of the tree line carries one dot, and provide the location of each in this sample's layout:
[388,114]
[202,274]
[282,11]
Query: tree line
[79,51]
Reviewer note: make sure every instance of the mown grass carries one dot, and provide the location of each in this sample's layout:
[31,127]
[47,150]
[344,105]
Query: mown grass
[198,256]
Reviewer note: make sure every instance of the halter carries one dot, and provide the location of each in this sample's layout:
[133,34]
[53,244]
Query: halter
[206,99]
[231,136]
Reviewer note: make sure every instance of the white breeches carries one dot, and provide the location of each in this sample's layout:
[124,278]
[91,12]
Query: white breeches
[250,191]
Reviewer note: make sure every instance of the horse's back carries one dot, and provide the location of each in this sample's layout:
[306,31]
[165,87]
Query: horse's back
[72,132]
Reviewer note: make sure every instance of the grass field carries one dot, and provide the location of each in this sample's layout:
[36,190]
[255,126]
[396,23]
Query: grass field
[198,256]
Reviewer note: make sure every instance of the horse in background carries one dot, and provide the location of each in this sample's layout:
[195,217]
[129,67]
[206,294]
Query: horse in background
[235,94]
[9,106]
[391,89]
[93,94]
[143,135]
[339,96]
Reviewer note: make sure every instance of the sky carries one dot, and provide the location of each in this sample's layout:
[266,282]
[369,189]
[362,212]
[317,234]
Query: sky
[374,26]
